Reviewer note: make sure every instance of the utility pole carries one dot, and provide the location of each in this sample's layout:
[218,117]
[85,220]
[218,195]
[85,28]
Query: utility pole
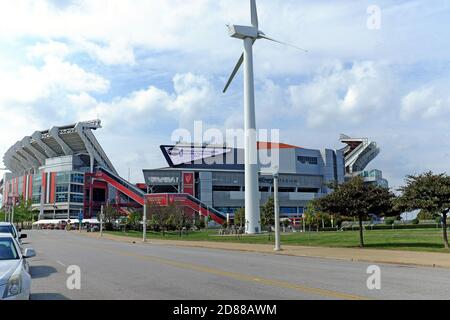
[277,211]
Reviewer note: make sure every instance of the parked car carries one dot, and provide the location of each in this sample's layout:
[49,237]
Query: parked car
[94,228]
[7,227]
[15,278]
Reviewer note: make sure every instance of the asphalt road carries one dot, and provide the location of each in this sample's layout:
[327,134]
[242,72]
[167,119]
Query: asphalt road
[117,270]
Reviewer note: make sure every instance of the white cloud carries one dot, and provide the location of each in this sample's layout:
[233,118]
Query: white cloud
[344,95]
[117,52]
[192,94]
[31,83]
[31,95]
[48,49]
[197,27]
[82,100]
[426,103]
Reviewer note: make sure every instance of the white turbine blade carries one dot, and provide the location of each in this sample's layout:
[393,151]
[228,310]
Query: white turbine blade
[280,42]
[254,12]
[233,74]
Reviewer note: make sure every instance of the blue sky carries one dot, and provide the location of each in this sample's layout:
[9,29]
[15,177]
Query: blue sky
[147,68]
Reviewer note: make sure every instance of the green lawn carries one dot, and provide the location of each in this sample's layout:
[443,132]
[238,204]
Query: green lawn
[414,240]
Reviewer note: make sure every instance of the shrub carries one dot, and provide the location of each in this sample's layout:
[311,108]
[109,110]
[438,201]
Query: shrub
[416,221]
[389,221]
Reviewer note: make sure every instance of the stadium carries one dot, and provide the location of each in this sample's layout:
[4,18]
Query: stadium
[64,171]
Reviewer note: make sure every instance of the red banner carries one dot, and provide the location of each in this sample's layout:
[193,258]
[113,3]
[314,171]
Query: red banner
[189,183]
[158,199]
[177,199]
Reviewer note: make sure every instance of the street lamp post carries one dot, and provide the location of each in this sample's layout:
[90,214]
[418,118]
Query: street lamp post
[80,220]
[54,210]
[144,222]
[12,209]
[277,211]
[101,221]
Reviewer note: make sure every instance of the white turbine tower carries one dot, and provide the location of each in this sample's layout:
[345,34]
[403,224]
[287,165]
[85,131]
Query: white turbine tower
[249,34]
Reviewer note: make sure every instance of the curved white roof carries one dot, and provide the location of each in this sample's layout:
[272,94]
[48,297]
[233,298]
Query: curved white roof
[75,139]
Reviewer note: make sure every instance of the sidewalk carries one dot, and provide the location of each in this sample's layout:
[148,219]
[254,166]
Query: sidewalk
[426,259]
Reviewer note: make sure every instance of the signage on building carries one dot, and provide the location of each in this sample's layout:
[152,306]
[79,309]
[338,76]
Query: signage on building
[158,199]
[161,178]
[178,155]
[177,199]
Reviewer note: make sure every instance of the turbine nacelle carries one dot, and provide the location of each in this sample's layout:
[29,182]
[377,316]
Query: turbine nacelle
[242,32]
[249,32]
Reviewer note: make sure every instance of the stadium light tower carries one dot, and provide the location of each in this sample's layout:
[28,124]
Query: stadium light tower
[249,34]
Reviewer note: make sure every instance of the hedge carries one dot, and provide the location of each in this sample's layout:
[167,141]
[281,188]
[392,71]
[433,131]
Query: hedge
[398,227]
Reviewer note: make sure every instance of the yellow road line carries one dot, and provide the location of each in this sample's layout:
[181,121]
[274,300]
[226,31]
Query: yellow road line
[234,275]
[249,278]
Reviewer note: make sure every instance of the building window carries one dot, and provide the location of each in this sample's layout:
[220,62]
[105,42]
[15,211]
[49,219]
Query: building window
[62,188]
[62,178]
[308,160]
[77,198]
[61,197]
[36,189]
[36,199]
[288,210]
[286,190]
[226,188]
[76,188]
[77,178]
[308,190]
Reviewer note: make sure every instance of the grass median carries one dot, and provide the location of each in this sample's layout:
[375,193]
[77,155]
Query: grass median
[429,240]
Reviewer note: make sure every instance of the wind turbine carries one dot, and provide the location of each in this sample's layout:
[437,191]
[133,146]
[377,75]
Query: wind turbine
[249,34]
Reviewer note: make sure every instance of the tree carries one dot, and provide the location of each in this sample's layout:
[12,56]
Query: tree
[154,216]
[134,220]
[239,217]
[357,199]
[309,215]
[429,192]
[200,223]
[23,212]
[425,215]
[268,214]
[313,217]
[182,220]
[111,215]
[167,217]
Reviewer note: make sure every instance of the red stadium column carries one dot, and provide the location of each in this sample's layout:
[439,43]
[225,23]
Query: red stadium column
[52,187]
[30,187]
[24,187]
[44,186]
